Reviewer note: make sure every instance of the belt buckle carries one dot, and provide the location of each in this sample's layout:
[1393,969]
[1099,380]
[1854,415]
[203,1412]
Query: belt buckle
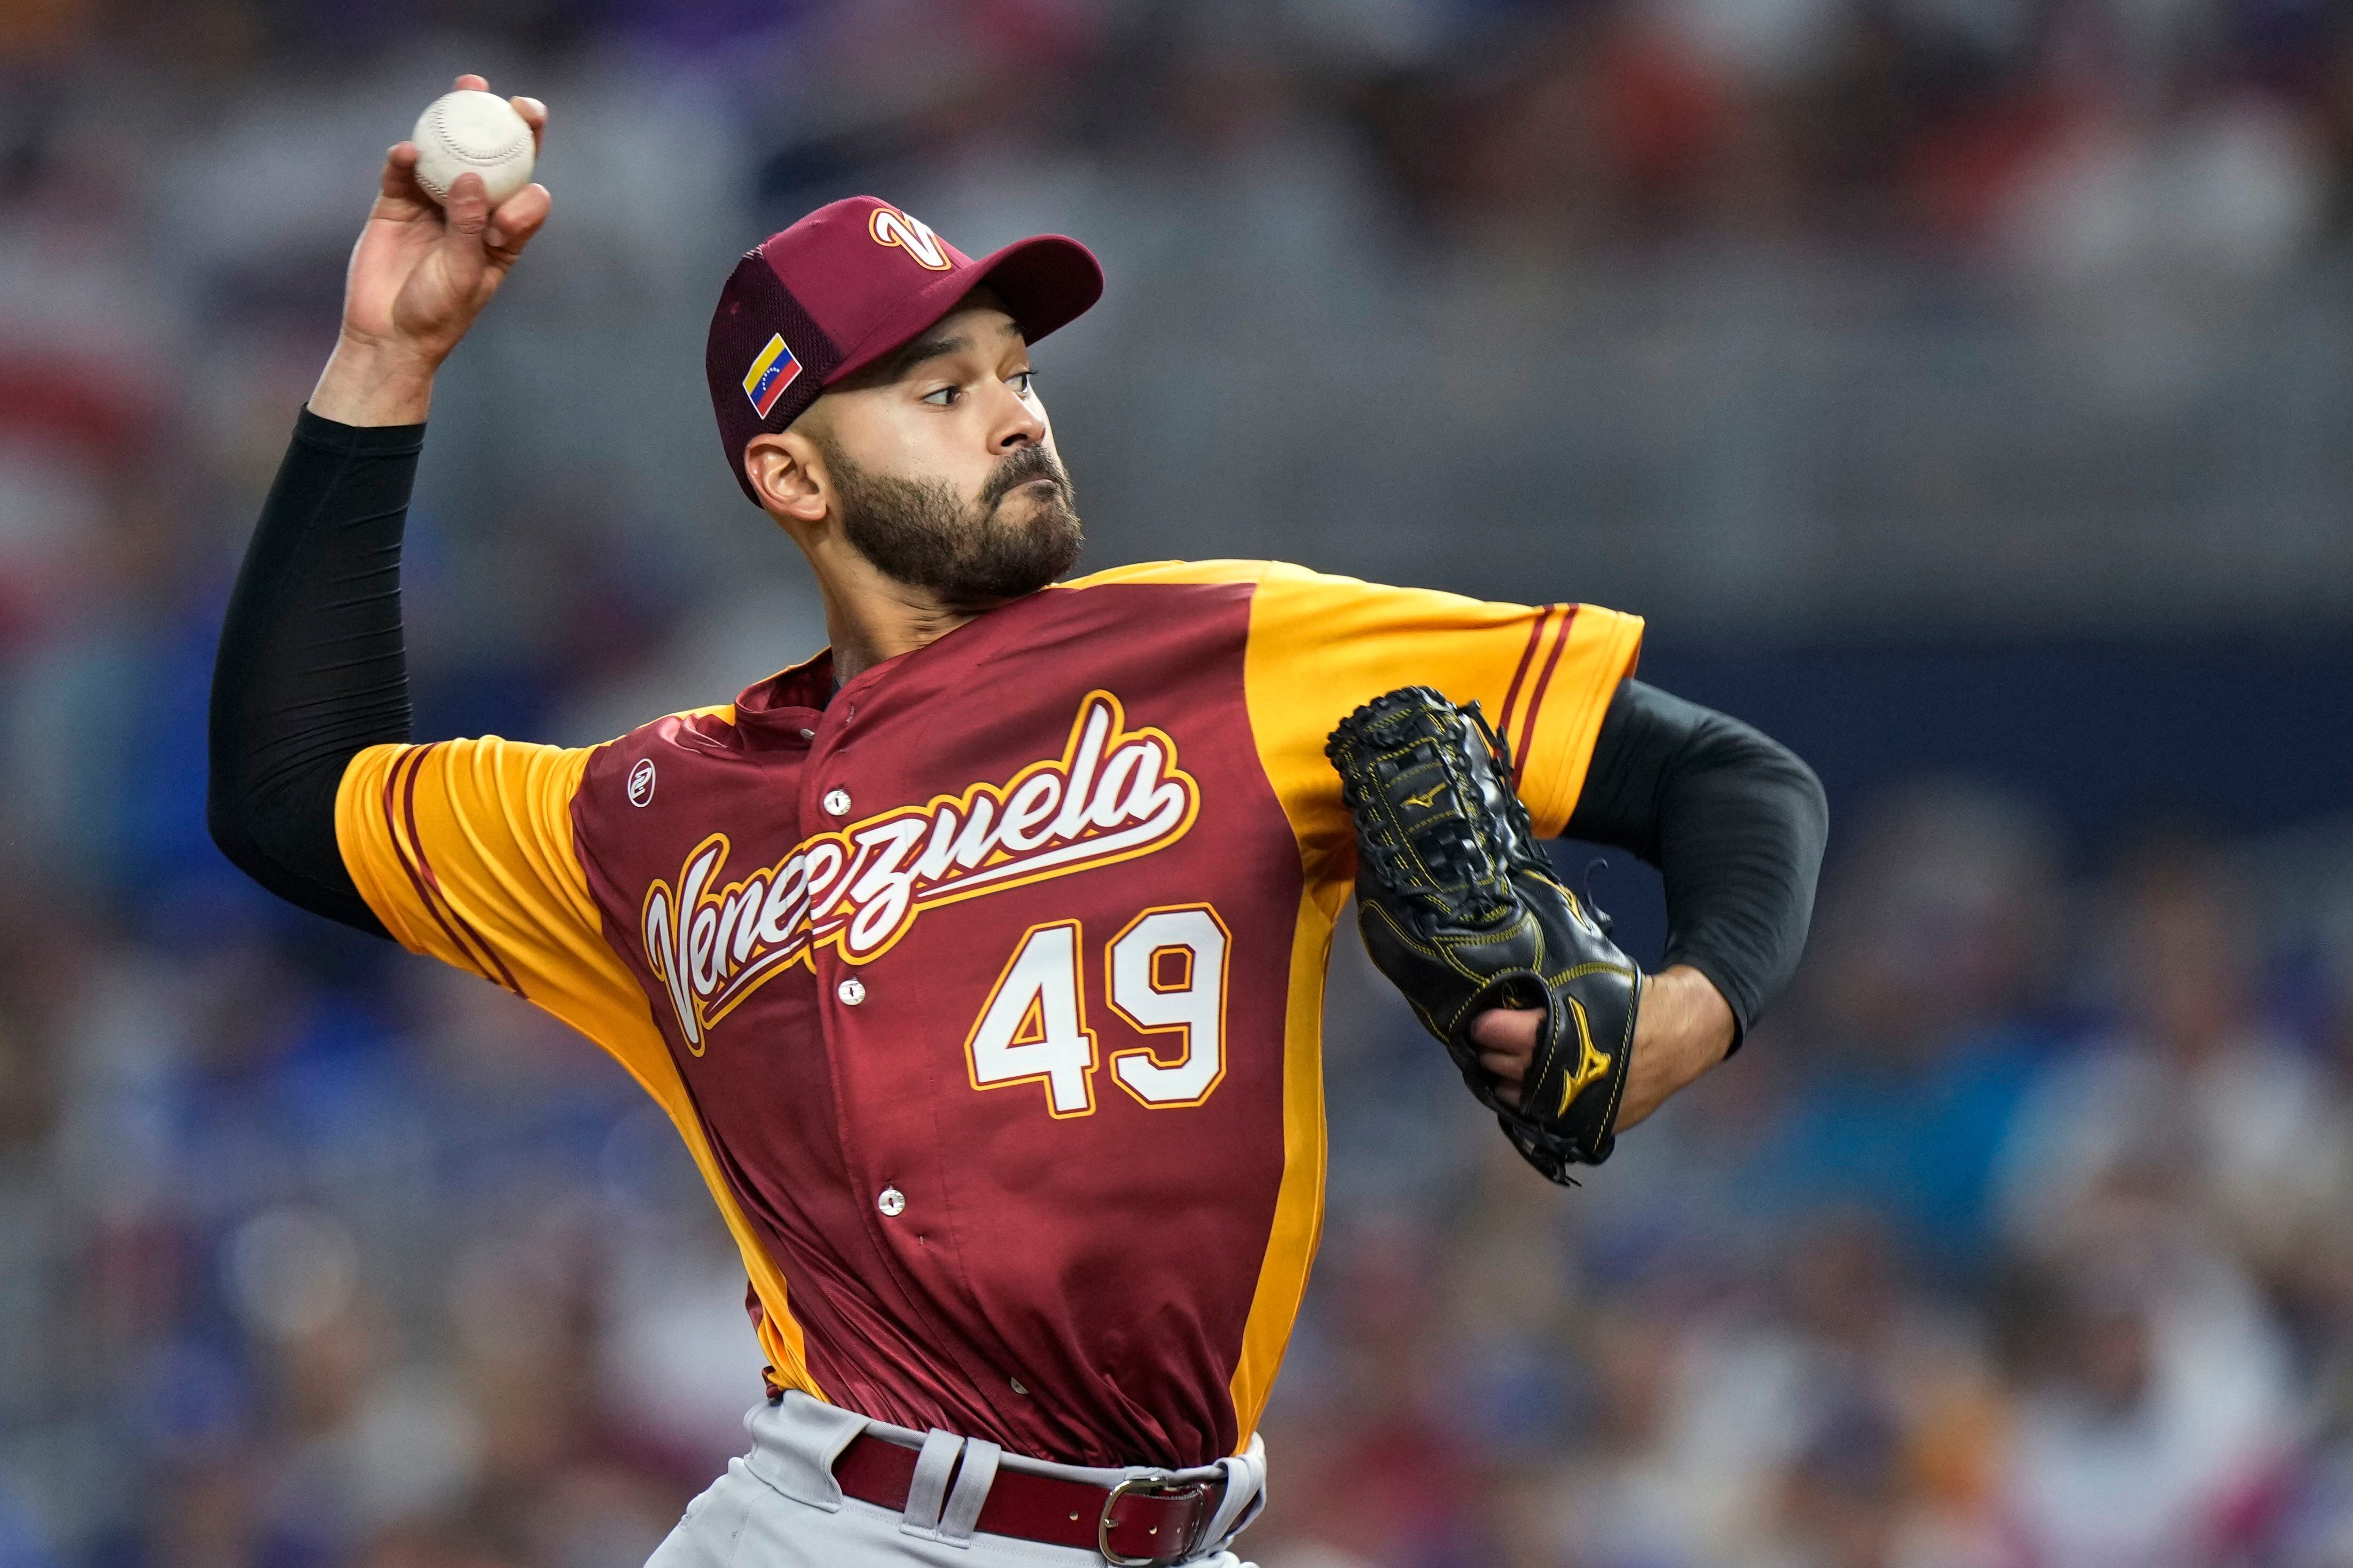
[1164,1487]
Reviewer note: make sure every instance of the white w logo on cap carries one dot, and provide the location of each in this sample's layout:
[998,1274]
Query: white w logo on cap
[911,234]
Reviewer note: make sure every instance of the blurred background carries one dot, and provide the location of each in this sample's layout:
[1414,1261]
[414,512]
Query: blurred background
[1958,386]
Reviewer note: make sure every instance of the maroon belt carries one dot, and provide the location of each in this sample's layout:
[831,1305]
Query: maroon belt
[1147,1521]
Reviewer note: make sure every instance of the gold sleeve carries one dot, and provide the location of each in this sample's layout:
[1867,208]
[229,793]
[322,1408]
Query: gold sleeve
[1320,646]
[464,849]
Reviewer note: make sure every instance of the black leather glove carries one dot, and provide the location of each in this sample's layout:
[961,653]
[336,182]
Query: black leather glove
[1459,909]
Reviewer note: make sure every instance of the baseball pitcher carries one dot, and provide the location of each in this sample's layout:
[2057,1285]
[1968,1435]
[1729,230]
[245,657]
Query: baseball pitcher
[979,958]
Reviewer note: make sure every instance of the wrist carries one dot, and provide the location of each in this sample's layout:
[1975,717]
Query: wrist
[368,382]
[1686,1020]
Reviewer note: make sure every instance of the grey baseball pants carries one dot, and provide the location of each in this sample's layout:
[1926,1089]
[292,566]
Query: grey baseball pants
[779,1506]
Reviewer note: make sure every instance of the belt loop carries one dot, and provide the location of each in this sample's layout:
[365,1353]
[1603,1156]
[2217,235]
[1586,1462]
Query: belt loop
[1244,1497]
[972,1481]
[929,1490]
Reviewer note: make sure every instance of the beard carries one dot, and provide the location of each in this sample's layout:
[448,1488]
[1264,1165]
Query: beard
[919,533]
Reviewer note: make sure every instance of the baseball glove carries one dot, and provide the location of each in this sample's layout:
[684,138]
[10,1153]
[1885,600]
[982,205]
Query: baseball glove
[1460,911]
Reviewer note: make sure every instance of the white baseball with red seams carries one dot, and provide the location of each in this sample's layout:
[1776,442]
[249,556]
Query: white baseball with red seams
[477,132]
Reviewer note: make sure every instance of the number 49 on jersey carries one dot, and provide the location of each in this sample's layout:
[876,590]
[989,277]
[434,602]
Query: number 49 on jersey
[1164,973]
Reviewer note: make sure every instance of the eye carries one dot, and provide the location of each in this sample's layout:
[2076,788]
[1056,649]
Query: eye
[944,397]
[1024,381]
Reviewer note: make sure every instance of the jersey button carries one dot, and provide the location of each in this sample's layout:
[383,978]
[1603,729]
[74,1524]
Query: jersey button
[893,1203]
[836,801]
[851,990]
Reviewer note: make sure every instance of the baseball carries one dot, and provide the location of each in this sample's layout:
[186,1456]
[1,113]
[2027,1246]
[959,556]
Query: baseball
[477,131]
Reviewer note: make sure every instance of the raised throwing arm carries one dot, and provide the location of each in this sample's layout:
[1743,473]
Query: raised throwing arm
[313,668]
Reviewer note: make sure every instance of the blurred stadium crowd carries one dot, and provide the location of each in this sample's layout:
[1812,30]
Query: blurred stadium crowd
[2021,1237]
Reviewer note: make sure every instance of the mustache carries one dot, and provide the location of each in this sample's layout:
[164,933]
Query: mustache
[1029,463]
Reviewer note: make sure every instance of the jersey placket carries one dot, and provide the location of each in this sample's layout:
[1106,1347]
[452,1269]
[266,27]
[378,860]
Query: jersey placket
[875,1033]
[843,989]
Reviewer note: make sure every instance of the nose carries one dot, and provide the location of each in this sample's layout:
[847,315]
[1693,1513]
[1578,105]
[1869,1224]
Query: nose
[1018,425]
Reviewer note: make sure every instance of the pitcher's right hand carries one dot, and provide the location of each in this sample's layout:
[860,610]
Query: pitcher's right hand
[418,277]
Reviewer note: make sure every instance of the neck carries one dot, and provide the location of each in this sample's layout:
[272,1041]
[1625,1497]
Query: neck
[870,617]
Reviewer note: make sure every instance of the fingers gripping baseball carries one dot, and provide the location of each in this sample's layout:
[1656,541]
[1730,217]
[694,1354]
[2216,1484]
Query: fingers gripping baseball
[423,271]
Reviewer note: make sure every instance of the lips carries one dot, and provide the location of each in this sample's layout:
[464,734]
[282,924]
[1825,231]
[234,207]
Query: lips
[1033,465]
[1046,481]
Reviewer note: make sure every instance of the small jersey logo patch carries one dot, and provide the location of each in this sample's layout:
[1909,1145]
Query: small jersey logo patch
[912,235]
[772,371]
[641,781]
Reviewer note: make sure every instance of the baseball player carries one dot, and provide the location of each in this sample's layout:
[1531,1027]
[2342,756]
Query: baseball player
[978,958]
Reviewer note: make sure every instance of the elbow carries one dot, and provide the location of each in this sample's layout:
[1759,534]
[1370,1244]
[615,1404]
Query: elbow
[1783,775]
[225,791]
[1803,809]
[1813,801]
[231,813]
[1779,774]
[1811,812]
[232,833]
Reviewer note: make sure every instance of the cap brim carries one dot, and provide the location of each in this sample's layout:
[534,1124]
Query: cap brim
[1047,281]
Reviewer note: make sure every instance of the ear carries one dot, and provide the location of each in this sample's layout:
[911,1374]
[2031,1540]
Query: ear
[787,475]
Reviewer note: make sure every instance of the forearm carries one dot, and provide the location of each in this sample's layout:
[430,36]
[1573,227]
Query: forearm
[1736,824]
[312,666]
[313,669]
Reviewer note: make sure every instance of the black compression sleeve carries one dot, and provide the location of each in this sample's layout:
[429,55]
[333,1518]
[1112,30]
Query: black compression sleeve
[1733,820]
[312,667]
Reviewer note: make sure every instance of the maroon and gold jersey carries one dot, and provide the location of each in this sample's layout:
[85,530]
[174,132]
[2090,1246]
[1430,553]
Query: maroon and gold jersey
[986,990]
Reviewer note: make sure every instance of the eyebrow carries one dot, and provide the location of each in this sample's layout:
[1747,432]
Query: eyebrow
[923,349]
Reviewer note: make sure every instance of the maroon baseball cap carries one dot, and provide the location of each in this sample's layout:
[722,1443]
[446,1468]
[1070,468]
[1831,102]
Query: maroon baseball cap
[851,284]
